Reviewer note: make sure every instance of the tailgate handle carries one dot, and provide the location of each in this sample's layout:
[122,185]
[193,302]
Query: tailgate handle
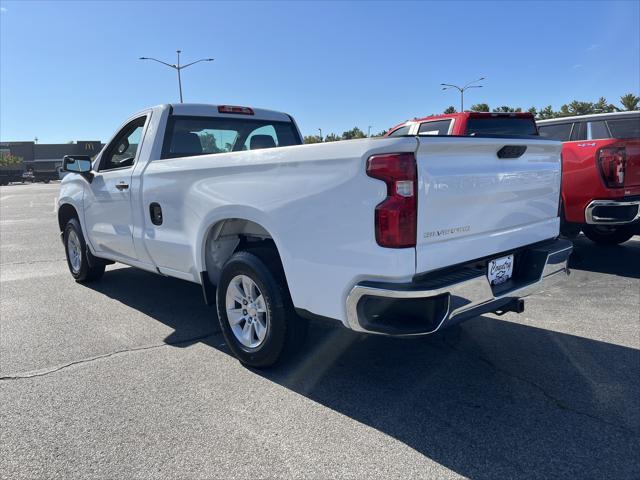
[155,212]
[512,151]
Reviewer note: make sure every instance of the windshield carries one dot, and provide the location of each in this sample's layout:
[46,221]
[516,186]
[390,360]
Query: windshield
[192,136]
[501,126]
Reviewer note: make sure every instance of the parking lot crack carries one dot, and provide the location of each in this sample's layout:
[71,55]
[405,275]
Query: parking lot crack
[554,400]
[49,371]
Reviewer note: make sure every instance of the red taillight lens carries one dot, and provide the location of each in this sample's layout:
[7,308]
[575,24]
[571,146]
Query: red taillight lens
[612,162]
[396,216]
[235,109]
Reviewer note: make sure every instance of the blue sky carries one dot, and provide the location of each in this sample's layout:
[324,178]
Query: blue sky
[70,70]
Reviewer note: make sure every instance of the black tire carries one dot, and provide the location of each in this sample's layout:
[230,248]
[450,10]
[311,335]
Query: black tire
[89,268]
[285,331]
[609,235]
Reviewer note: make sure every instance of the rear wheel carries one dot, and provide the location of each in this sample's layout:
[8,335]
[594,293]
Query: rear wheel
[84,267]
[255,311]
[609,234]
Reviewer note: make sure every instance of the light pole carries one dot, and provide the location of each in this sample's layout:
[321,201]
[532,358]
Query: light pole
[447,86]
[369,132]
[178,67]
[320,130]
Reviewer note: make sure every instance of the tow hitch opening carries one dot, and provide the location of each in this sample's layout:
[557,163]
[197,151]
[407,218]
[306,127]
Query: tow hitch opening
[516,305]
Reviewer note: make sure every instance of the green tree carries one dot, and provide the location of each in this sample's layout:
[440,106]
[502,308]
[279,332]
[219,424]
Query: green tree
[507,109]
[312,139]
[533,111]
[629,101]
[355,132]
[332,137]
[208,142]
[547,112]
[601,106]
[381,134]
[577,108]
[480,107]
[8,160]
[450,109]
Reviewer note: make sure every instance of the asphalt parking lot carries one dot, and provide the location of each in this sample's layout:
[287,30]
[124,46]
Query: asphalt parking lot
[130,378]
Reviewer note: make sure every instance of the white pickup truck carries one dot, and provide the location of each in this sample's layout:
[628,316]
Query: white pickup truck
[396,236]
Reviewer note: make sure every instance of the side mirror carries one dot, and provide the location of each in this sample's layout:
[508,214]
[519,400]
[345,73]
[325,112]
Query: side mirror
[76,163]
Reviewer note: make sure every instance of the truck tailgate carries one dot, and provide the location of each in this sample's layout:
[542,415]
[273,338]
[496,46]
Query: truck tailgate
[473,204]
[632,171]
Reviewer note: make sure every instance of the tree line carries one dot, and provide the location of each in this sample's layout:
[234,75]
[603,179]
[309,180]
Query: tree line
[354,133]
[8,160]
[628,102]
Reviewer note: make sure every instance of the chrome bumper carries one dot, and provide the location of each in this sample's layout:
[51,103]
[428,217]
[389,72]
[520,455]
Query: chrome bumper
[592,218]
[469,294]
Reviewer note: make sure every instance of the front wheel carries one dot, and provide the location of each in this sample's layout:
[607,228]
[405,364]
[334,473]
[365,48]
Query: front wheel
[84,267]
[609,234]
[255,311]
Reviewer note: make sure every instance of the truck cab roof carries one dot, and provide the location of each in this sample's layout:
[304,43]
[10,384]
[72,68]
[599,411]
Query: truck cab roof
[211,110]
[462,115]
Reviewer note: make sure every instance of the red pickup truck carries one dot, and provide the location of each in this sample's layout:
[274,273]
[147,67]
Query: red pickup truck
[601,174]
[468,123]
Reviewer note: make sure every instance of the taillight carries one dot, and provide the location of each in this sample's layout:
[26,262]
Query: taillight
[396,216]
[612,162]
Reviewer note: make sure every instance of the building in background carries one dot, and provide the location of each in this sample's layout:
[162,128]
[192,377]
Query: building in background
[44,159]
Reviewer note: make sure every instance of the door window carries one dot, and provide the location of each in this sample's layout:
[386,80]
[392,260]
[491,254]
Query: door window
[122,151]
[598,130]
[579,132]
[625,127]
[558,131]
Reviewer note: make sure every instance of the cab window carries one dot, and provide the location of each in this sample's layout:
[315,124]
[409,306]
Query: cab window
[598,130]
[579,132]
[625,127]
[438,127]
[557,131]
[400,131]
[194,136]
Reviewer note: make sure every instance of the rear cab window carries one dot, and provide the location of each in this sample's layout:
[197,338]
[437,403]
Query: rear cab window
[501,125]
[436,127]
[189,136]
[400,131]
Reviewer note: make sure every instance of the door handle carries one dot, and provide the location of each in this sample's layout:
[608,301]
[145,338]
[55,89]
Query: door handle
[122,186]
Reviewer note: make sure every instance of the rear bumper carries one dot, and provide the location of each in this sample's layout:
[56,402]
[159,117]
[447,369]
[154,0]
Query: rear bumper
[426,305]
[612,212]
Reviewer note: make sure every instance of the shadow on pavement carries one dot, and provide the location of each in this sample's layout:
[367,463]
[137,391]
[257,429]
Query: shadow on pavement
[488,399]
[622,260]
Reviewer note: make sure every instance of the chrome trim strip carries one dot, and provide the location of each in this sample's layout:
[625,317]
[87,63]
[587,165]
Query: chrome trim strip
[592,219]
[473,293]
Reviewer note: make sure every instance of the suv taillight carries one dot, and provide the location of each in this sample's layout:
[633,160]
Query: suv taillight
[612,162]
[396,216]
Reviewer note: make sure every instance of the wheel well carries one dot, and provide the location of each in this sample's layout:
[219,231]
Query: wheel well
[66,213]
[230,236]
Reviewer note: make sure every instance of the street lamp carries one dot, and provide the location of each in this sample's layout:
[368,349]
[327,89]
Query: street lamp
[369,132]
[178,67]
[447,86]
